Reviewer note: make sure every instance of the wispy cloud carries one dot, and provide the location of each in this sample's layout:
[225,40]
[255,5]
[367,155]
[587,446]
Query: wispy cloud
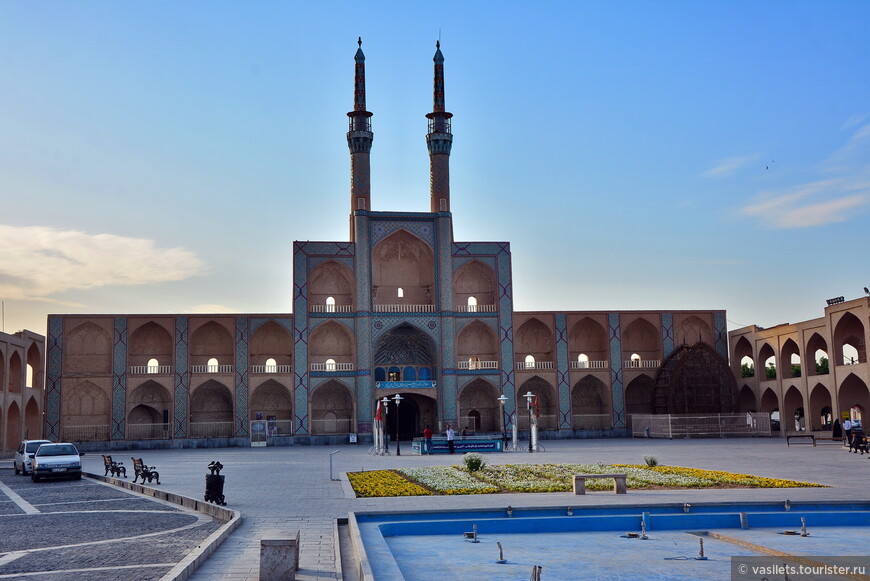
[826,201]
[807,205]
[729,165]
[38,262]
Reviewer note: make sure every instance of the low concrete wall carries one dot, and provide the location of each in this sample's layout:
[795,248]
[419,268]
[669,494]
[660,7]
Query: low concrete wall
[231,519]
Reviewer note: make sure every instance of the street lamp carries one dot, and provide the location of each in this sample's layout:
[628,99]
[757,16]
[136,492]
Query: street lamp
[386,402]
[529,397]
[501,399]
[398,399]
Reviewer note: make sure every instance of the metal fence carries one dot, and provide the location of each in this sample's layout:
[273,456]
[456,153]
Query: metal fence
[211,430]
[700,426]
[149,431]
[85,433]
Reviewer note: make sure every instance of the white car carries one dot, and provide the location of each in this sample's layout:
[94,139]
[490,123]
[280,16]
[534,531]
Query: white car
[24,455]
[56,460]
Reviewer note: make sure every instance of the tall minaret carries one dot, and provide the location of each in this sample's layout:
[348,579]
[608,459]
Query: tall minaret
[440,140]
[359,138]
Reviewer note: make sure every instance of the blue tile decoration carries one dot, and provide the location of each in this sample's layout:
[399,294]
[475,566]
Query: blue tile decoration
[54,368]
[364,381]
[563,381]
[388,223]
[241,377]
[300,329]
[255,323]
[119,379]
[667,335]
[721,333]
[617,395]
[182,376]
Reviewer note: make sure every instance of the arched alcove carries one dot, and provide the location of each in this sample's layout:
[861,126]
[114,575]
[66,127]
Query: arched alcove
[793,402]
[35,366]
[211,341]
[331,279]
[639,395]
[32,420]
[86,405]
[477,340]
[817,348]
[404,261]
[747,400]
[821,415]
[693,330]
[534,338]
[641,337]
[588,337]
[271,341]
[849,332]
[150,341]
[87,350]
[330,340]
[547,399]
[474,280]
[853,392]
[479,396]
[16,373]
[767,358]
[790,360]
[211,411]
[742,354]
[590,405]
[272,399]
[332,409]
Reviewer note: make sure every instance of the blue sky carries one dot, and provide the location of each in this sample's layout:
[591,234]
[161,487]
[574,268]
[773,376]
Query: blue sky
[162,157]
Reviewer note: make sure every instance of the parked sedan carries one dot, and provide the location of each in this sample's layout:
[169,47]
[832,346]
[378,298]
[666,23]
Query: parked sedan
[24,455]
[56,460]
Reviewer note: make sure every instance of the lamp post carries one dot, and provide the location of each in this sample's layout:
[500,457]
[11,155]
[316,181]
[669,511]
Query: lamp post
[386,402]
[398,399]
[502,399]
[529,396]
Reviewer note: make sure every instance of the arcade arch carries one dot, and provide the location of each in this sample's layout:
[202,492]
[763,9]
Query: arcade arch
[793,418]
[332,409]
[587,338]
[547,408]
[641,338]
[32,420]
[88,350]
[13,425]
[590,404]
[211,411]
[150,341]
[403,261]
[639,395]
[272,400]
[693,330]
[271,346]
[534,338]
[854,396]
[211,341]
[767,357]
[331,280]
[330,340]
[474,280]
[820,408]
[479,408]
[817,347]
[747,400]
[15,376]
[849,340]
[477,340]
[790,360]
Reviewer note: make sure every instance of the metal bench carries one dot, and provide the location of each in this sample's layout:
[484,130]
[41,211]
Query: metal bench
[142,471]
[789,437]
[115,468]
[618,482]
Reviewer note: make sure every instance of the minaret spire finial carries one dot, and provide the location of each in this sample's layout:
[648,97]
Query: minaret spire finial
[440,140]
[359,137]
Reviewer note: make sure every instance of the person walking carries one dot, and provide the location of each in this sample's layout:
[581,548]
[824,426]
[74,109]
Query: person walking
[450,438]
[847,431]
[427,437]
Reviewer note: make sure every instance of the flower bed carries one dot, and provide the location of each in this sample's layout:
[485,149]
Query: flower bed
[547,478]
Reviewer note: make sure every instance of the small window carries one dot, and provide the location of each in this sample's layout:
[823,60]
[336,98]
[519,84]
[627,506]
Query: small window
[583,361]
[271,365]
[213,365]
[401,293]
[472,305]
[330,304]
[153,366]
[330,364]
[443,204]
[530,361]
[360,203]
[29,380]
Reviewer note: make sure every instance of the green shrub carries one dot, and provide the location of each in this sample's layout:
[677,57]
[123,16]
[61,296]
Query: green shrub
[474,461]
[651,461]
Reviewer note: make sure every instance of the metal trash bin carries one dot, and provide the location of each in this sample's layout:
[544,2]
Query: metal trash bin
[214,484]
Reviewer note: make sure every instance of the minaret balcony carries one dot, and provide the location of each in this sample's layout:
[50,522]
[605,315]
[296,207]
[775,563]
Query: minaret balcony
[404,308]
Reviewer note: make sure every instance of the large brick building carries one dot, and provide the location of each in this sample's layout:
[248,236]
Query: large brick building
[400,307]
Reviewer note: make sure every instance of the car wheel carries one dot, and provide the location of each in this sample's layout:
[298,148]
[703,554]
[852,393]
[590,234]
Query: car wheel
[17,470]
[24,470]
[34,477]
[77,476]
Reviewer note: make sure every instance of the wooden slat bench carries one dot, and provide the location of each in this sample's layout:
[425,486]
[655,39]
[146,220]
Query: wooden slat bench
[812,438]
[618,482]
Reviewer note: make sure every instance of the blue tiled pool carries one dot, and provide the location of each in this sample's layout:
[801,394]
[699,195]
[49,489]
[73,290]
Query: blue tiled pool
[592,543]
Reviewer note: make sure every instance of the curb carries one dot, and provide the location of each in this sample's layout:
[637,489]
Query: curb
[186,567]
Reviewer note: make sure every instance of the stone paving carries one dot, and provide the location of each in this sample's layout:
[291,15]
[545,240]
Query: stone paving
[279,490]
[83,529]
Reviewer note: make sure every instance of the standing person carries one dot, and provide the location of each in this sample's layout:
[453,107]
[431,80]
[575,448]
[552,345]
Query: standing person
[450,437]
[847,431]
[427,436]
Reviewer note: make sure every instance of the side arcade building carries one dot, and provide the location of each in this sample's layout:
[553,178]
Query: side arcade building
[402,308]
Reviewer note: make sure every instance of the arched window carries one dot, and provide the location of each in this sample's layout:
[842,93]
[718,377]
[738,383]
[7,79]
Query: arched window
[330,304]
[530,361]
[330,364]
[634,360]
[394,374]
[473,363]
[380,374]
[401,293]
[271,365]
[850,355]
[29,378]
[472,305]
[213,365]
[153,366]
[747,366]
[583,361]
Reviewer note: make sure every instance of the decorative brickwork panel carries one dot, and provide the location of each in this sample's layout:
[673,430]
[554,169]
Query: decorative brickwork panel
[425,322]
[447,386]
[364,384]
[54,366]
[563,382]
[119,378]
[667,335]
[617,395]
[241,377]
[255,323]
[505,303]
[321,248]
[720,331]
[182,376]
[424,229]
[300,334]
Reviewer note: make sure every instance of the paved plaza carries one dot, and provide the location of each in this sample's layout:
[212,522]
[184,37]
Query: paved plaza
[279,490]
